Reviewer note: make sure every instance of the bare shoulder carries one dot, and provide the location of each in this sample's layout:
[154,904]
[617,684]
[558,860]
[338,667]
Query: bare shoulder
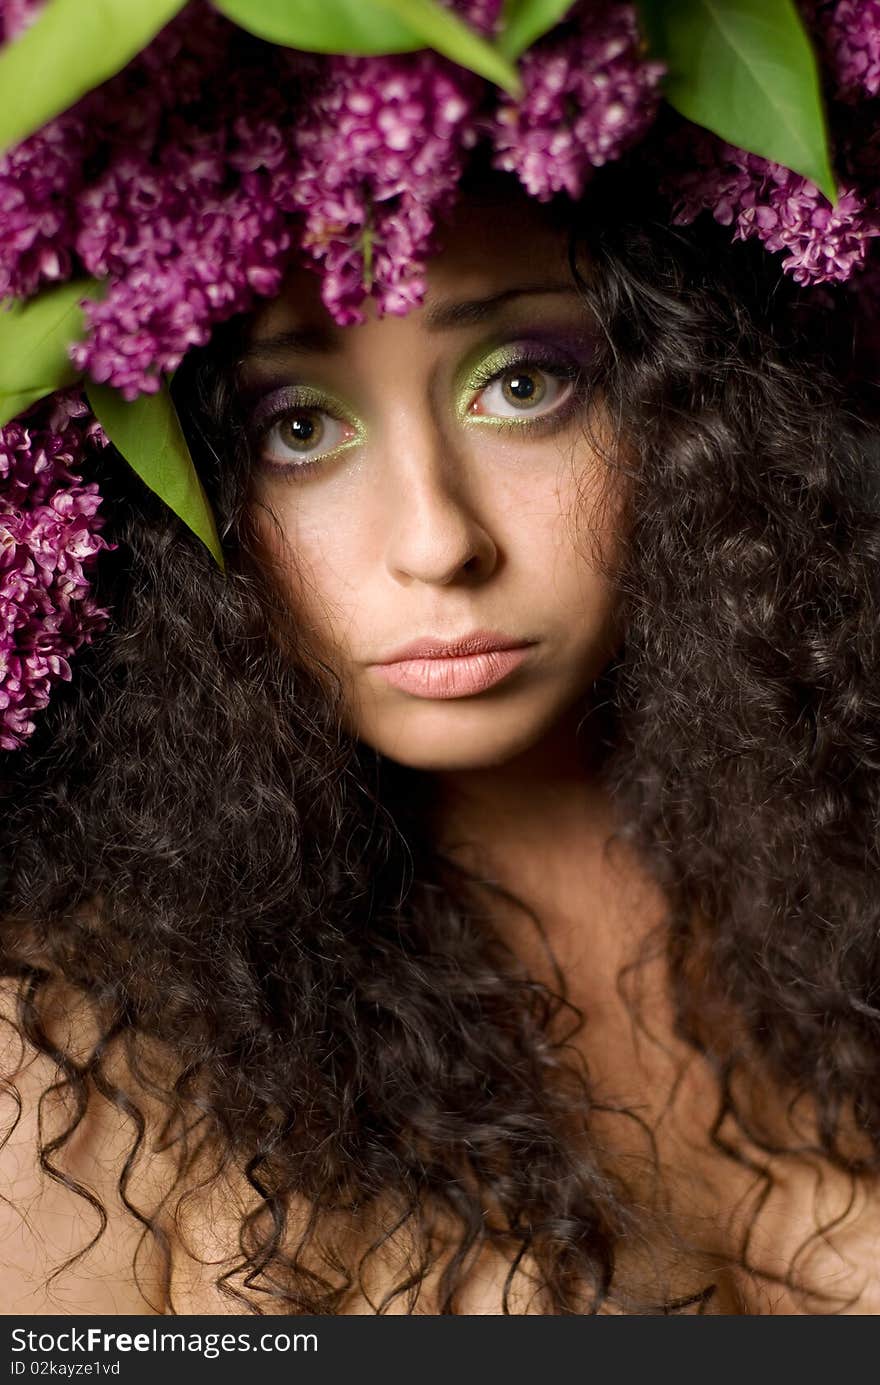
[44,1219]
[814,1246]
[46,1215]
[50,1210]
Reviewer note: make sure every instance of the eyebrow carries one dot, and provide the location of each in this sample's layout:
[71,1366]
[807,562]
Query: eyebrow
[439,317]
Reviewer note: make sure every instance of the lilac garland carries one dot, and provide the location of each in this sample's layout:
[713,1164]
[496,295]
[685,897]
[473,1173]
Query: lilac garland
[821,244]
[198,208]
[191,218]
[850,33]
[589,95]
[190,206]
[380,154]
[49,540]
[786,212]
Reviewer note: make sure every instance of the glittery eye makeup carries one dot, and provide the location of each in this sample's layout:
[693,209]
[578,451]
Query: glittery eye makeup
[525,383]
[295,429]
[533,383]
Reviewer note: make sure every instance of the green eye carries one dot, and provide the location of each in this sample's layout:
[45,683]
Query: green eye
[523,388]
[301,431]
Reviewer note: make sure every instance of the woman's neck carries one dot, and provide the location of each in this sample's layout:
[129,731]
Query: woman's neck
[544,827]
[550,795]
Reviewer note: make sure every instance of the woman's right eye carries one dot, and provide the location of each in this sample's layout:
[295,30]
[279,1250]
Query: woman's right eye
[299,437]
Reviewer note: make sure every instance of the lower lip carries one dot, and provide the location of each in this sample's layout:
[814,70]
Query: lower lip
[461,676]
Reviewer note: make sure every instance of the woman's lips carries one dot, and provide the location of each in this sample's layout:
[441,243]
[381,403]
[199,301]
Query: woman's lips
[459,676]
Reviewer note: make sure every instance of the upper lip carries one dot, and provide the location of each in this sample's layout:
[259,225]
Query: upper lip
[430,647]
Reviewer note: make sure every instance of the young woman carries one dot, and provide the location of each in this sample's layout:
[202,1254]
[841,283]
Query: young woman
[466,903]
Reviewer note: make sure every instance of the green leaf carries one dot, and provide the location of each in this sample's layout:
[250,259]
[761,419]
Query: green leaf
[442,30]
[72,46]
[147,432]
[34,337]
[323,26]
[371,26]
[527,20]
[746,70]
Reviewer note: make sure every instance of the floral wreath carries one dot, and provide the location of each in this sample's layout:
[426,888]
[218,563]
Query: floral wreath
[161,167]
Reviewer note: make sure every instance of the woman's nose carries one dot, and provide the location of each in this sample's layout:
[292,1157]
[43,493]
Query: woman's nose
[434,530]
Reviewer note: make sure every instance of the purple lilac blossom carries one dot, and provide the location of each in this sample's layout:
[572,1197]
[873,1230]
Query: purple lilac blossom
[183,221]
[187,220]
[49,541]
[849,31]
[187,238]
[16,16]
[41,178]
[38,183]
[822,244]
[589,95]
[380,151]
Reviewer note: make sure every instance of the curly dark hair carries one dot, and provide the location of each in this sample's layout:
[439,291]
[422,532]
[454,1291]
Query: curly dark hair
[195,845]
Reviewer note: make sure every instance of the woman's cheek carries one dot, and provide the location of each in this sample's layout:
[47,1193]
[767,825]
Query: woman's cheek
[318,566]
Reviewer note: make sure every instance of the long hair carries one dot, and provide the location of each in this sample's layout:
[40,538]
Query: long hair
[194,844]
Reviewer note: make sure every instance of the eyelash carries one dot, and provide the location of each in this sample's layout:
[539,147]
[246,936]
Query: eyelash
[565,369]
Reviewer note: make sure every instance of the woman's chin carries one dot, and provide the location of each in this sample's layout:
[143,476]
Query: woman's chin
[459,734]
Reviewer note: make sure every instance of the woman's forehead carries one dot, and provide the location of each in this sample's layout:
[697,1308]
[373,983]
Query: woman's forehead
[495,241]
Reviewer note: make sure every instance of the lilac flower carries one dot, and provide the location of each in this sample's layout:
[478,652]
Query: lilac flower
[187,237]
[190,215]
[49,541]
[380,150]
[38,184]
[44,177]
[822,244]
[850,34]
[589,94]
[16,16]
[482,15]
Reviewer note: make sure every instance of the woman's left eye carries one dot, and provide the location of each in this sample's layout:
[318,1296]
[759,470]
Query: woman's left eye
[524,390]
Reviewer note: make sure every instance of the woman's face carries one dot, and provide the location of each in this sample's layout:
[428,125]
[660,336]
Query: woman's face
[427,478]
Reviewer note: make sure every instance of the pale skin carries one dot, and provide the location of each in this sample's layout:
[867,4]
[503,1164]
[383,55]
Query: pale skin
[455,509]
[439,502]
